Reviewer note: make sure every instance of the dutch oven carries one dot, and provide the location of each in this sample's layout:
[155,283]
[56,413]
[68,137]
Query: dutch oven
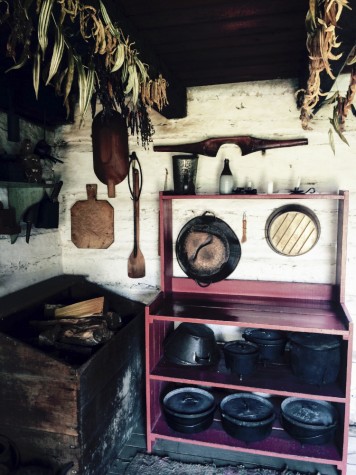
[315,358]
[310,422]
[191,344]
[270,342]
[189,409]
[247,417]
[207,249]
[241,357]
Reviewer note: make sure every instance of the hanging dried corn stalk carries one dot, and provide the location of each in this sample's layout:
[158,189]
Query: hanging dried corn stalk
[321,23]
[99,60]
[345,104]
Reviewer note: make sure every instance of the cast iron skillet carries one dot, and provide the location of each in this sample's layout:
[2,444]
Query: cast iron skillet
[212,229]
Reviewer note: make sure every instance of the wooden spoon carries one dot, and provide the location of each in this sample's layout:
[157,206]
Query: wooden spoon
[136,263]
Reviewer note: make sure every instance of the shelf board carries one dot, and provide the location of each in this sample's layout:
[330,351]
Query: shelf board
[278,444]
[270,378]
[279,314]
[235,196]
[24,184]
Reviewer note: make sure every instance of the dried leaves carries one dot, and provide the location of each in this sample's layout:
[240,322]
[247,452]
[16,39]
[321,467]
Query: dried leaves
[321,21]
[87,34]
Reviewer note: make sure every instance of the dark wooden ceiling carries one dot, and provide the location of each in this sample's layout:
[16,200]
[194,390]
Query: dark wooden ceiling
[205,42]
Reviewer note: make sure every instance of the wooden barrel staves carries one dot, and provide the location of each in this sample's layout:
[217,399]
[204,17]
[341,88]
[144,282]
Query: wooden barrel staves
[110,149]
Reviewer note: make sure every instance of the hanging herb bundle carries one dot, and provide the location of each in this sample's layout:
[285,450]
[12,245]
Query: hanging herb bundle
[76,48]
[321,24]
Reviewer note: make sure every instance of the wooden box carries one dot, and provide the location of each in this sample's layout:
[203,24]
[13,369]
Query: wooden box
[63,411]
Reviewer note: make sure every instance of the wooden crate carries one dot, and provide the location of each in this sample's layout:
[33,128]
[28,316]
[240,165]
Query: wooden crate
[61,411]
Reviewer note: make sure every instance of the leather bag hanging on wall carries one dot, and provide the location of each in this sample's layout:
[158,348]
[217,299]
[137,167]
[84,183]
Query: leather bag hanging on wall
[110,149]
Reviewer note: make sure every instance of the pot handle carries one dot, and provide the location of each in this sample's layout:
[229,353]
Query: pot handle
[202,284]
[209,212]
[200,359]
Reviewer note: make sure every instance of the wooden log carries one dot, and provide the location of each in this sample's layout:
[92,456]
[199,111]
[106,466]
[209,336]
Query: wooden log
[81,309]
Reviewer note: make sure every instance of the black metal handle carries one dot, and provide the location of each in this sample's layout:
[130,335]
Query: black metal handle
[135,194]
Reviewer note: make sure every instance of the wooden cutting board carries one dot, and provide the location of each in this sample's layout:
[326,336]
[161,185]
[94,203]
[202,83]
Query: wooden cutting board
[92,222]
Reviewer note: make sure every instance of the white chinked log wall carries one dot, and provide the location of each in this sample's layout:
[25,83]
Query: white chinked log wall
[262,109]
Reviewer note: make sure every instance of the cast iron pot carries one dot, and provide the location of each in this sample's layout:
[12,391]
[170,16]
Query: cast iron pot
[189,409]
[241,357]
[191,344]
[207,249]
[247,417]
[270,342]
[309,421]
[315,358]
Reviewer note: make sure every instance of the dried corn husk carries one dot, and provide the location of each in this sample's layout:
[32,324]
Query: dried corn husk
[43,23]
[321,23]
[57,54]
[36,70]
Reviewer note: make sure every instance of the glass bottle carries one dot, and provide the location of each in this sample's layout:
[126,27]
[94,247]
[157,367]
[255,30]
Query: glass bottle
[226,184]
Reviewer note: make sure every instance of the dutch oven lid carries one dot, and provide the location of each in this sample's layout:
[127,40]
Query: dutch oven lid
[188,401]
[262,334]
[207,249]
[315,341]
[239,347]
[309,412]
[196,329]
[191,344]
[246,407]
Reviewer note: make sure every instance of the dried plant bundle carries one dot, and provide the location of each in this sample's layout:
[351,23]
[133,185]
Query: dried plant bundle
[99,59]
[321,24]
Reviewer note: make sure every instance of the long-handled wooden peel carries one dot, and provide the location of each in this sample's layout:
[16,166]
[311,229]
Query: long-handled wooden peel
[136,263]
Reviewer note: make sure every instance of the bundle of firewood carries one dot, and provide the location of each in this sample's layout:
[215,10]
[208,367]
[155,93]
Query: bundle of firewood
[83,324]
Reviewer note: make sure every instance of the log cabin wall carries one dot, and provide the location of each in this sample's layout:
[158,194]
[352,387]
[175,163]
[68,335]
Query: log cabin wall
[262,109]
[23,264]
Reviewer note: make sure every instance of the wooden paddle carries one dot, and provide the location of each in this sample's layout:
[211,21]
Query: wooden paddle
[136,262]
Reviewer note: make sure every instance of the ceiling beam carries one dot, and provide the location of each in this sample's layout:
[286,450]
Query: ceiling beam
[176,92]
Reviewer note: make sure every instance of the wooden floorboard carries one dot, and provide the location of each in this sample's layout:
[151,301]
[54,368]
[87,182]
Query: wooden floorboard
[197,454]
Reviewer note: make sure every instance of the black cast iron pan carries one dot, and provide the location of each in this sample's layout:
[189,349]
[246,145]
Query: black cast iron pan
[207,249]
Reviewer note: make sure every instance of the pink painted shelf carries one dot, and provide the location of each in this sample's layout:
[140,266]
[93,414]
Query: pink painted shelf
[281,314]
[287,306]
[269,378]
[277,444]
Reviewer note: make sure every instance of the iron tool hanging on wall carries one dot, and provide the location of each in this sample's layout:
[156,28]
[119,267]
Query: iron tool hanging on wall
[136,262]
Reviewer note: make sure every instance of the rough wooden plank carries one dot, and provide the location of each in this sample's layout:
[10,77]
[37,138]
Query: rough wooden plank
[28,360]
[33,294]
[46,404]
[55,448]
[120,397]
[110,359]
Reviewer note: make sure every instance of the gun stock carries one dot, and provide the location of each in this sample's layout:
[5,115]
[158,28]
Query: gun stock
[246,143]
